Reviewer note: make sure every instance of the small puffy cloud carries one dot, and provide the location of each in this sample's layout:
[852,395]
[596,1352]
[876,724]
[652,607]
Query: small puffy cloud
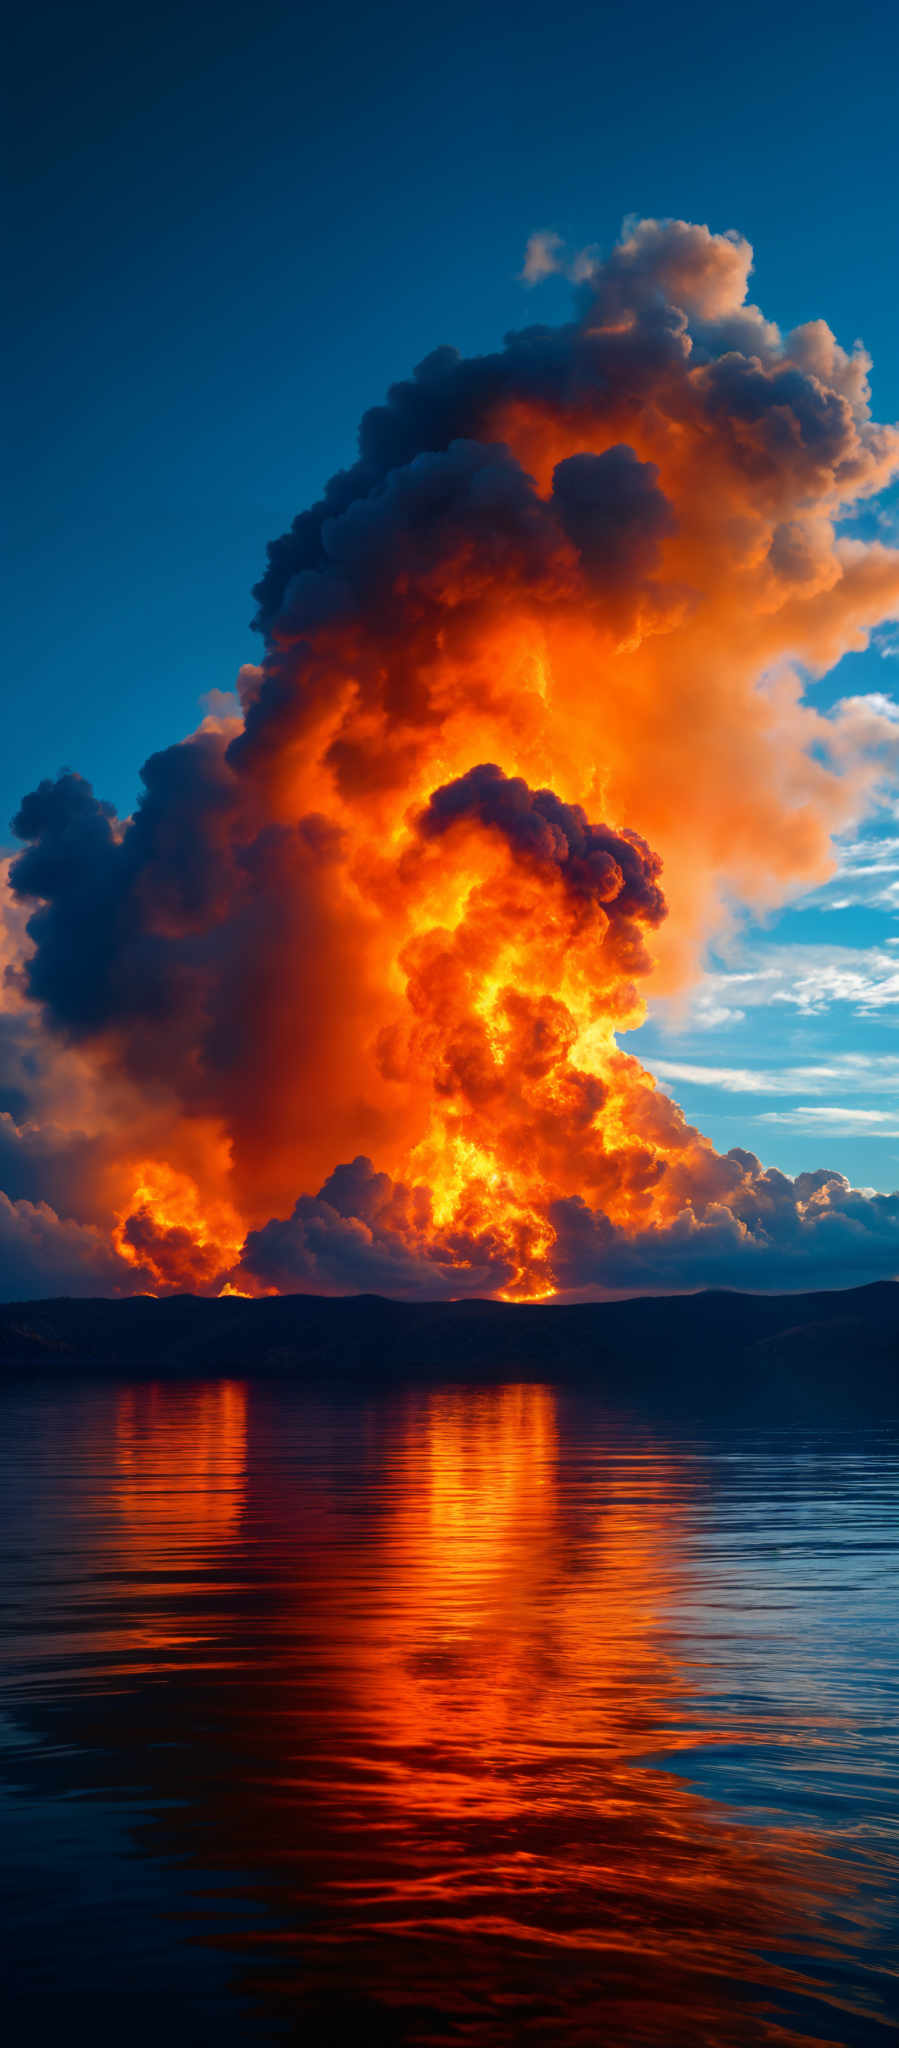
[222,712]
[542,256]
[547,255]
[872,704]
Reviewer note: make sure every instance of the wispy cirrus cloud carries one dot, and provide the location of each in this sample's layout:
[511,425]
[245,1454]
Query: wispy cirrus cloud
[809,979]
[851,1071]
[867,873]
[870,856]
[838,1119]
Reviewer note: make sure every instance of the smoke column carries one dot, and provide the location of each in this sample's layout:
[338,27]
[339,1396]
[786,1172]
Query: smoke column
[344,1004]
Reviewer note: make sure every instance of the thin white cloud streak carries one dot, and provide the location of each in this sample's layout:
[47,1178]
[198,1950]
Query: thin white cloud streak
[869,857]
[835,1119]
[851,1071]
[862,865]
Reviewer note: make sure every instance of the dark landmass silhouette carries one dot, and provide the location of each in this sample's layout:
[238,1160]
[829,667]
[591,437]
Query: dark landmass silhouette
[807,1356]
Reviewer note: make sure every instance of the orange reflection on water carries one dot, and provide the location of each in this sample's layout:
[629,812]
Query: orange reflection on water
[460,1719]
[177,1493]
[505,1626]
[512,1682]
[180,1454]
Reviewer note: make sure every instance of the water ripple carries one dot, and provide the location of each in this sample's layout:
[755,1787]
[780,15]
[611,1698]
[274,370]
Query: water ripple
[454,1716]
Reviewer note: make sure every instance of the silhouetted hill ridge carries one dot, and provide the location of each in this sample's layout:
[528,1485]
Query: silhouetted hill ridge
[832,1352]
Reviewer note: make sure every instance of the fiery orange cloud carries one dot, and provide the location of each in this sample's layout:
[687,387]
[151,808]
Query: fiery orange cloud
[530,719]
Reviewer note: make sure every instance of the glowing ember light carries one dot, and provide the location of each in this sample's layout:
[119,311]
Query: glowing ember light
[168,1231]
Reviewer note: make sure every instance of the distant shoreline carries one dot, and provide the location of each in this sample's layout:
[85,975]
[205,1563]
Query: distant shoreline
[829,1355]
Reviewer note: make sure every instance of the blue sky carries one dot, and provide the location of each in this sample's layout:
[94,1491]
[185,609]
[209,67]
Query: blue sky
[235,226]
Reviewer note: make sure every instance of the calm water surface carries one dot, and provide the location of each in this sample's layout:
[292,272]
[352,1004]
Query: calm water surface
[452,1715]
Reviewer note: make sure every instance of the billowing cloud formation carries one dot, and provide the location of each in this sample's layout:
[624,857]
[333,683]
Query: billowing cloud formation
[765,1232]
[529,721]
[42,1253]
